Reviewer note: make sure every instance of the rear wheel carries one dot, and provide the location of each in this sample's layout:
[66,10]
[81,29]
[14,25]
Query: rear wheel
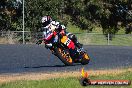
[64,56]
[85,60]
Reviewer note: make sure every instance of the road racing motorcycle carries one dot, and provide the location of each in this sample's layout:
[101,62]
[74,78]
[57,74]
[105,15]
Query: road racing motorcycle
[64,48]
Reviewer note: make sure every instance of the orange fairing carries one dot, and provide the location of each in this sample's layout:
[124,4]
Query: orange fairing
[86,56]
[65,40]
[70,60]
[84,74]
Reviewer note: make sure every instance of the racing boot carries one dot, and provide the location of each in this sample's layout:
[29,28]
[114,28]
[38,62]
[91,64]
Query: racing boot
[79,45]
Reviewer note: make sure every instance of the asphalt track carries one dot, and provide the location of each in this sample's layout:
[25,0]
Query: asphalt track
[34,58]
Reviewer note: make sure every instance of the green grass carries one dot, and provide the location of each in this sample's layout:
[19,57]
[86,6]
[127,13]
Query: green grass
[98,38]
[67,82]
[122,40]
[74,29]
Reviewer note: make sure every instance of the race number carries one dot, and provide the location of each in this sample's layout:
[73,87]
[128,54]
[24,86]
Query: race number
[67,42]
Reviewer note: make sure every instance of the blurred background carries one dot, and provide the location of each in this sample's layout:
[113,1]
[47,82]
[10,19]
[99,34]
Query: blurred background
[94,22]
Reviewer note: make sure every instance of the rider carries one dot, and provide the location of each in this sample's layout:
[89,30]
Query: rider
[51,25]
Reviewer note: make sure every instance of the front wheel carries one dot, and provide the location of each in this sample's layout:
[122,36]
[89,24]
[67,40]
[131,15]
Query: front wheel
[64,56]
[85,60]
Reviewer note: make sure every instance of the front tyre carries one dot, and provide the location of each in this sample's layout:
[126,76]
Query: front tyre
[85,60]
[64,56]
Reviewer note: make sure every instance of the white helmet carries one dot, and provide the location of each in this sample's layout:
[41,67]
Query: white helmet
[46,20]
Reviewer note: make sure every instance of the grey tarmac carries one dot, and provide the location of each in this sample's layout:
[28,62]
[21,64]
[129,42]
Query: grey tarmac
[33,58]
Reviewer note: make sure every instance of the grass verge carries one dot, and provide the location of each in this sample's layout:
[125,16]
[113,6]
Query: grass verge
[70,82]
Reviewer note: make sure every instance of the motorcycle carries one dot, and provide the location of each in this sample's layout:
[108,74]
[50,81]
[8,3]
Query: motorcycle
[65,49]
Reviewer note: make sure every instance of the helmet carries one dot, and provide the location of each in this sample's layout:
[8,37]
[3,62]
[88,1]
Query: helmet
[46,20]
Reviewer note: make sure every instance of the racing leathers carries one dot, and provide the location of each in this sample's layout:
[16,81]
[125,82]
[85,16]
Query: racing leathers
[61,29]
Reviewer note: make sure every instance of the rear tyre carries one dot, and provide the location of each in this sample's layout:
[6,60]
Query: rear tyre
[85,60]
[64,56]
